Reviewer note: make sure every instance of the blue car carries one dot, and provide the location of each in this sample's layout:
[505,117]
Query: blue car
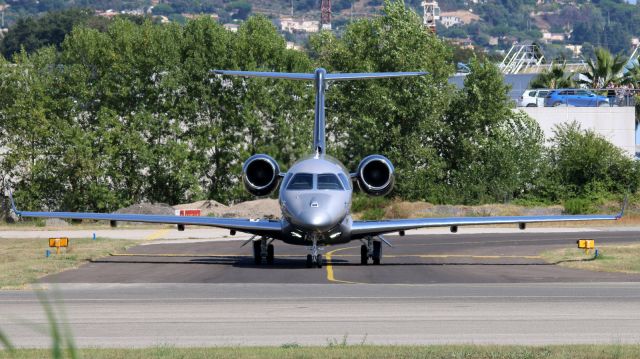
[574,97]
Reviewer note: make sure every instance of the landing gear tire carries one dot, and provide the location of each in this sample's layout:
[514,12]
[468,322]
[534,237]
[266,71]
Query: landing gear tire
[270,254]
[377,252]
[257,252]
[319,261]
[309,261]
[364,255]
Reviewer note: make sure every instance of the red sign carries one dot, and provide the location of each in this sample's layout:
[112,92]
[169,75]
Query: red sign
[189,212]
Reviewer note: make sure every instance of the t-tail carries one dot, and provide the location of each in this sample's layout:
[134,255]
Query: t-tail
[320,78]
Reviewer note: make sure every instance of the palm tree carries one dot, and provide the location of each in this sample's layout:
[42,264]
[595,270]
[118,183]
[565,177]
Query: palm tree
[606,69]
[553,78]
[633,76]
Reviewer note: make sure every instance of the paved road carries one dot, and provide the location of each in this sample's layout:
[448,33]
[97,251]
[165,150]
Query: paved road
[419,259]
[479,288]
[134,315]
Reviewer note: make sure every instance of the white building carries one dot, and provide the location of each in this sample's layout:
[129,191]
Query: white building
[290,24]
[231,27]
[451,18]
[550,36]
[448,21]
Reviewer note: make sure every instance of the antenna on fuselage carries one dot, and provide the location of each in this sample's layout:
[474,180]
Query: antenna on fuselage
[320,78]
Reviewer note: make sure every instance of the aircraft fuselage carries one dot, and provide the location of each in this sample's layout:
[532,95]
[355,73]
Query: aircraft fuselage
[315,198]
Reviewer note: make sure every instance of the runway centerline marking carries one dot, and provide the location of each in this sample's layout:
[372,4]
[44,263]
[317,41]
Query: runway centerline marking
[157,234]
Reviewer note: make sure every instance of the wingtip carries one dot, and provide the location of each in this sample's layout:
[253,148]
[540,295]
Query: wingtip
[624,207]
[13,203]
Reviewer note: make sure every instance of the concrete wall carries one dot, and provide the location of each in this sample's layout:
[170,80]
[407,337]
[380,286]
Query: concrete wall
[617,124]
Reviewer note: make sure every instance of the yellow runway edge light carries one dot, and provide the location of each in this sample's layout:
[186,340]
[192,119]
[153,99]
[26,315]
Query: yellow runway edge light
[586,244]
[58,242]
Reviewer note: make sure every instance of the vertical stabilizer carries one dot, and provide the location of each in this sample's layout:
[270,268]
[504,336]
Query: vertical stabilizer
[319,121]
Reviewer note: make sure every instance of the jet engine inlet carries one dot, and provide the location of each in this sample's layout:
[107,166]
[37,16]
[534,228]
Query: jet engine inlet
[260,175]
[376,175]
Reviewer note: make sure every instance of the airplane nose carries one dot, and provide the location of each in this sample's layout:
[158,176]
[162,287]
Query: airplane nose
[318,220]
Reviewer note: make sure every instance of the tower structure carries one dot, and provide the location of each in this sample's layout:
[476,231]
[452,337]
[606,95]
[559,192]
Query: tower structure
[431,14]
[325,15]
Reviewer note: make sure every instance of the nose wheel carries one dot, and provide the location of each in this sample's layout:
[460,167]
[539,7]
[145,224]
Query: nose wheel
[314,259]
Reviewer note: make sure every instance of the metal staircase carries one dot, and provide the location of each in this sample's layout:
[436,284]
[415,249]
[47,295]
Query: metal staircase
[522,58]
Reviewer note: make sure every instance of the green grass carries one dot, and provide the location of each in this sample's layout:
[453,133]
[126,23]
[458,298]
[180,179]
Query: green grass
[622,258]
[359,351]
[23,261]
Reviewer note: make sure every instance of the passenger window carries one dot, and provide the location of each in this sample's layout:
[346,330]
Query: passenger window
[532,94]
[563,92]
[583,93]
[543,93]
[301,182]
[571,92]
[329,181]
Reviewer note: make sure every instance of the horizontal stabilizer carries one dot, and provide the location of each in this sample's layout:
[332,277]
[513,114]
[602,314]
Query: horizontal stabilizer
[306,76]
[373,75]
[273,75]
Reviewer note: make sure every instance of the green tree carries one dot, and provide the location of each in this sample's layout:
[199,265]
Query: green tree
[583,163]
[491,153]
[34,33]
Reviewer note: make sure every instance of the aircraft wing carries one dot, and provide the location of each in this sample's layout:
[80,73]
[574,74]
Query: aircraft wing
[361,229]
[253,226]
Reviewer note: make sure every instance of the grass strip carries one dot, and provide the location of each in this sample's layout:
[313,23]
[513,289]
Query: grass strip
[23,261]
[611,258]
[612,351]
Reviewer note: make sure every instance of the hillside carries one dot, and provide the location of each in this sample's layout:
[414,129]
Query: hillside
[607,23]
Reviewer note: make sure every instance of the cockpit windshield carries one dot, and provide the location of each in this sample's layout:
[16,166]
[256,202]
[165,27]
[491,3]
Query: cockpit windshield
[329,181]
[301,181]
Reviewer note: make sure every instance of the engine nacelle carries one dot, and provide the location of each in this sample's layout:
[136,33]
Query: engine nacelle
[260,174]
[376,175]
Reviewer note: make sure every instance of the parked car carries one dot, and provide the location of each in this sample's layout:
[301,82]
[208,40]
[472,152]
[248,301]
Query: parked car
[533,98]
[574,97]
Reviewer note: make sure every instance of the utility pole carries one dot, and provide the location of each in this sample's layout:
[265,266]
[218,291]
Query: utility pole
[431,14]
[325,15]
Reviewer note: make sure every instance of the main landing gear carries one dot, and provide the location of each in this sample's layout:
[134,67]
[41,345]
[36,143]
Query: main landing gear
[314,258]
[263,250]
[371,249]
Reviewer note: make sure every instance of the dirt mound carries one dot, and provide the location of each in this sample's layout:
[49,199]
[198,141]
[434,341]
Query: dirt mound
[206,207]
[260,208]
[148,208]
[404,209]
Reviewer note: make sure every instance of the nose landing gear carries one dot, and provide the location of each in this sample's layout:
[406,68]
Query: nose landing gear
[371,249]
[314,258]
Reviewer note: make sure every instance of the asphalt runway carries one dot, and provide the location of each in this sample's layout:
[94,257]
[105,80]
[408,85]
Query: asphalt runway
[417,259]
[457,288]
